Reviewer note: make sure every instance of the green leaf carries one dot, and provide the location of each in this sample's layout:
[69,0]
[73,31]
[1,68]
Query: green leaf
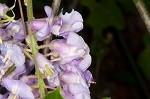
[55,94]
[107,98]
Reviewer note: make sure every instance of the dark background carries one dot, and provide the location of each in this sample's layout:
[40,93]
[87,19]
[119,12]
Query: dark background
[119,43]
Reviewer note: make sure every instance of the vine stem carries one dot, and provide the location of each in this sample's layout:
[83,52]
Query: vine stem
[22,17]
[34,48]
[143,12]
[146,18]
[55,7]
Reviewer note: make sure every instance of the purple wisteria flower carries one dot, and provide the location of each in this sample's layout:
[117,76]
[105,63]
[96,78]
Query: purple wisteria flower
[16,30]
[75,91]
[11,54]
[5,35]
[74,86]
[46,68]
[65,51]
[43,26]
[71,48]
[13,31]
[44,64]
[70,22]
[18,88]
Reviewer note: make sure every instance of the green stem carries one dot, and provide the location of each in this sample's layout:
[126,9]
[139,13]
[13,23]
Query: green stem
[143,12]
[34,49]
[146,18]
[133,65]
[9,18]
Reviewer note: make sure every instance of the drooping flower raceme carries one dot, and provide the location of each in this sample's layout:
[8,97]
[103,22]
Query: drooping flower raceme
[65,64]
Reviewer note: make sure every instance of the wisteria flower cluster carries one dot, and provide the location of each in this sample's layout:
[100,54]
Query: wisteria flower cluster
[65,64]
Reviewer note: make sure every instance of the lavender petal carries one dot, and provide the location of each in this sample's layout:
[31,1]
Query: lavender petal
[43,33]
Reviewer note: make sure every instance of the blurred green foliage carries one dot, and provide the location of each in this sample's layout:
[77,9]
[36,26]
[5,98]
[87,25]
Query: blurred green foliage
[104,14]
[107,98]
